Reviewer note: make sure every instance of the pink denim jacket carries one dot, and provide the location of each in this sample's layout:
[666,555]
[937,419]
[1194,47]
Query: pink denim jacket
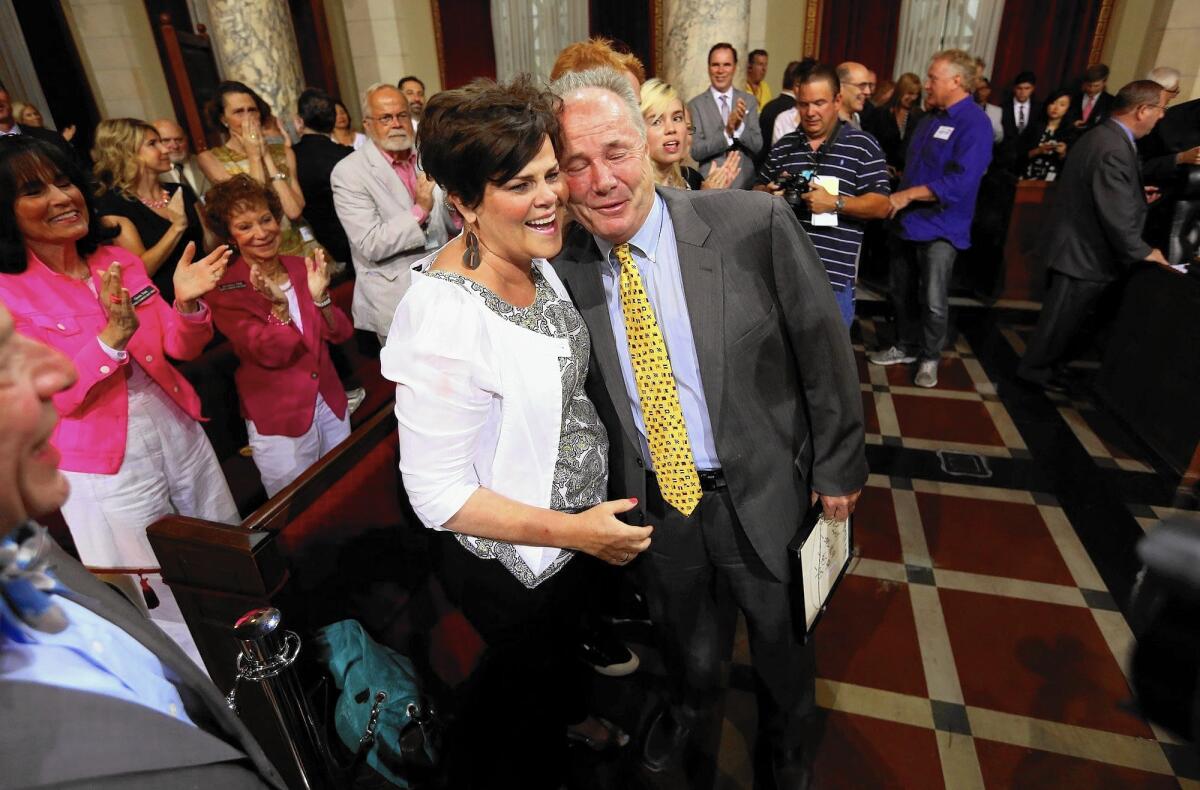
[63,313]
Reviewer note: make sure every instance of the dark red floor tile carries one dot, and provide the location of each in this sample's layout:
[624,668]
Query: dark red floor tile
[858,752]
[993,538]
[873,639]
[1037,659]
[870,414]
[942,419]
[876,535]
[1005,766]
[952,375]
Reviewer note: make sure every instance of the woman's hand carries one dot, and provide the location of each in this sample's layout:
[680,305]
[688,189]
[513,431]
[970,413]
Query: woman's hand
[118,307]
[720,177]
[193,279]
[317,269]
[607,538]
[252,138]
[176,212]
[68,133]
[266,286]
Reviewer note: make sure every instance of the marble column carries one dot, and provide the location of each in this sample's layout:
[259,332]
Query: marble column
[690,27]
[256,44]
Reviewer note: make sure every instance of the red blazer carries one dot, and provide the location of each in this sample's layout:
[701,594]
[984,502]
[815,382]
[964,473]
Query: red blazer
[281,369]
[65,314]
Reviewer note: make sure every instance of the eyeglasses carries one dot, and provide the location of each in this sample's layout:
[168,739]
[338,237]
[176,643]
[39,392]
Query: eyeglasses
[389,118]
[864,86]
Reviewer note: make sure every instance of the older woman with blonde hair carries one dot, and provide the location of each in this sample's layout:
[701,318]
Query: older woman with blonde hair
[159,219]
[669,141]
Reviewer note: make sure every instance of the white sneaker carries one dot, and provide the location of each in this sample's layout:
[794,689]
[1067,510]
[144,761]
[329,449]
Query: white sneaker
[892,356]
[355,398]
[926,374]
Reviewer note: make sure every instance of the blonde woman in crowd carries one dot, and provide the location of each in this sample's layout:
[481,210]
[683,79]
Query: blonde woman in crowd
[160,219]
[27,114]
[668,140]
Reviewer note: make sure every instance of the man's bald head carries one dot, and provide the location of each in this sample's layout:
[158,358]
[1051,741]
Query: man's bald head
[856,86]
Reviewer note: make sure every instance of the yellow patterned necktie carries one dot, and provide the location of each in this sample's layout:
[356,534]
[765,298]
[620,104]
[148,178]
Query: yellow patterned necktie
[666,431]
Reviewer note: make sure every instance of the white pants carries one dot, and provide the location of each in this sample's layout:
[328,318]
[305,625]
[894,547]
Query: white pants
[169,467]
[281,459]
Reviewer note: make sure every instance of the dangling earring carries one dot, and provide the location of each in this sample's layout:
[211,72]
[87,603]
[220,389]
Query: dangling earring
[470,257]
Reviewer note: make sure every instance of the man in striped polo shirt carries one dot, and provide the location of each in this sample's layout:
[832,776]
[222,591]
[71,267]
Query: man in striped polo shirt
[847,179]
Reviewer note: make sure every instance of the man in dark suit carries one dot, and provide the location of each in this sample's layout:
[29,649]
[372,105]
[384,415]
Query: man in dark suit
[1096,227]
[93,693]
[785,101]
[1091,104]
[1018,112]
[316,156]
[756,406]
[9,125]
[725,119]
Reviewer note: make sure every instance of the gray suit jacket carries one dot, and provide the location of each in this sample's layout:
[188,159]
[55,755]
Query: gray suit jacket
[57,737]
[708,143]
[1099,208]
[779,376]
[375,210]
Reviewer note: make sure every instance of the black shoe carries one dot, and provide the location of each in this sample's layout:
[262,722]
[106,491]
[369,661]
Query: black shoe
[664,742]
[607,654]
[791,769]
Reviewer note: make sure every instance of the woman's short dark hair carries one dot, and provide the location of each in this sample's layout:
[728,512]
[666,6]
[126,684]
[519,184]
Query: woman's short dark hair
[23,160]
[216,105]
[1054,96]
[485,132]
[239,193]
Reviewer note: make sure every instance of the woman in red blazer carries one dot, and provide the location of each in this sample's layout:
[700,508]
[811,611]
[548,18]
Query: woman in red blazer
[130,441]
[277,312]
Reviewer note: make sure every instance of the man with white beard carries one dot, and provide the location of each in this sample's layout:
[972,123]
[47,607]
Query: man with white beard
[391,212]
[184,168]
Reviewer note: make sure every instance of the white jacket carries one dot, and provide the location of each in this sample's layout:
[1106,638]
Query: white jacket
[478,403]
[375,209]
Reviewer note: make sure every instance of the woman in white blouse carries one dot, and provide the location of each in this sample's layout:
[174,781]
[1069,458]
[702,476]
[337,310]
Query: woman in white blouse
[501,451]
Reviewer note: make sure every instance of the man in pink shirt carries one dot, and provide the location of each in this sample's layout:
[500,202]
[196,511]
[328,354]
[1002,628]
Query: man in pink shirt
[391,212]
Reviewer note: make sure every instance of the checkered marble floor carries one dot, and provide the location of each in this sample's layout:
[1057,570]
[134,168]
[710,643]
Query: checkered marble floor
[973,643]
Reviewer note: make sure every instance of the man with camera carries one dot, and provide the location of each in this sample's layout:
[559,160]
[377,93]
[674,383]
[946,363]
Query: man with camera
[832,175]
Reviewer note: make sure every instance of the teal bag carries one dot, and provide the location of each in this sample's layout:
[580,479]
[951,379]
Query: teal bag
[380,714]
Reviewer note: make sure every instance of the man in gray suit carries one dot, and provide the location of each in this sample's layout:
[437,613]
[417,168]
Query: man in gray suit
[1096,227]
[766,404]
[93,693]
[726,119]
[390,211]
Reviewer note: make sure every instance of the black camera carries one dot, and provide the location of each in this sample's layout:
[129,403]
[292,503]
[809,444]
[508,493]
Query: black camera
[794,186]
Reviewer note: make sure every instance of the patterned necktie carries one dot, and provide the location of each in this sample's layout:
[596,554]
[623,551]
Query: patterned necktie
[1021,118]
[725,109]
[666,431]
[1087,107]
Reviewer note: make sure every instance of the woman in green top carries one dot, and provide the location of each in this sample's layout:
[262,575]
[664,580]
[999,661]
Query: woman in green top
[239,114]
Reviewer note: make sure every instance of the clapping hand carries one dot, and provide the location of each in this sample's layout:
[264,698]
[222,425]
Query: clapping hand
[193,279]
[735,116]
[722,175]
[266,286]
[118,308]
[175,211]
[424,196]
[317,269]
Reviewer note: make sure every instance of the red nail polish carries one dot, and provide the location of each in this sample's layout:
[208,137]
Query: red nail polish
[633,499]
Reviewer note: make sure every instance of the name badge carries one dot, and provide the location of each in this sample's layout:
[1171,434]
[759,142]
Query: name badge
[943,132]
[142,295]
[234,286]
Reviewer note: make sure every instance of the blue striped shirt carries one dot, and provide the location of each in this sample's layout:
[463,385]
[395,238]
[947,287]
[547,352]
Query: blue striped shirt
[857,161]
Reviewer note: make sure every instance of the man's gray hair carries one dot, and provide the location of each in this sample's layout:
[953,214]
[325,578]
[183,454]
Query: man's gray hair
[962,62]
[607,79]
[370,91]
[1165,76]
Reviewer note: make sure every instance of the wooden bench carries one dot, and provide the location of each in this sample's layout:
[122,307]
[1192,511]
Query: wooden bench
[339,542]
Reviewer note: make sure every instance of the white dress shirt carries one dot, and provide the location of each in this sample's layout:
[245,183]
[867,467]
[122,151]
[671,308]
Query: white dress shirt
[787,122]
[1018,108]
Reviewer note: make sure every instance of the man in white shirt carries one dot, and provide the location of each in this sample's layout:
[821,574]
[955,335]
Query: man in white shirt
[184,168]
[726,119]
[414,91]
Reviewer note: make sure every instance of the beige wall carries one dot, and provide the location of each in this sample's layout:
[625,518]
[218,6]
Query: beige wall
[778,27]
[117,48]
[1148,33]
[387,40]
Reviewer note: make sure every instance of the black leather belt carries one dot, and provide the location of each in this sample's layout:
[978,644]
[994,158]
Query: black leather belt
[711,479]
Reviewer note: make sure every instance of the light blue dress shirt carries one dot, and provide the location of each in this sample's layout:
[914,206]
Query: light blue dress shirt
[90,654]
[657,257]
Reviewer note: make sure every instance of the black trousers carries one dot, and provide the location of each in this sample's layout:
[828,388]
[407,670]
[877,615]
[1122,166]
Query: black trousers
[1064,309]
[510,728]
[687,557]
